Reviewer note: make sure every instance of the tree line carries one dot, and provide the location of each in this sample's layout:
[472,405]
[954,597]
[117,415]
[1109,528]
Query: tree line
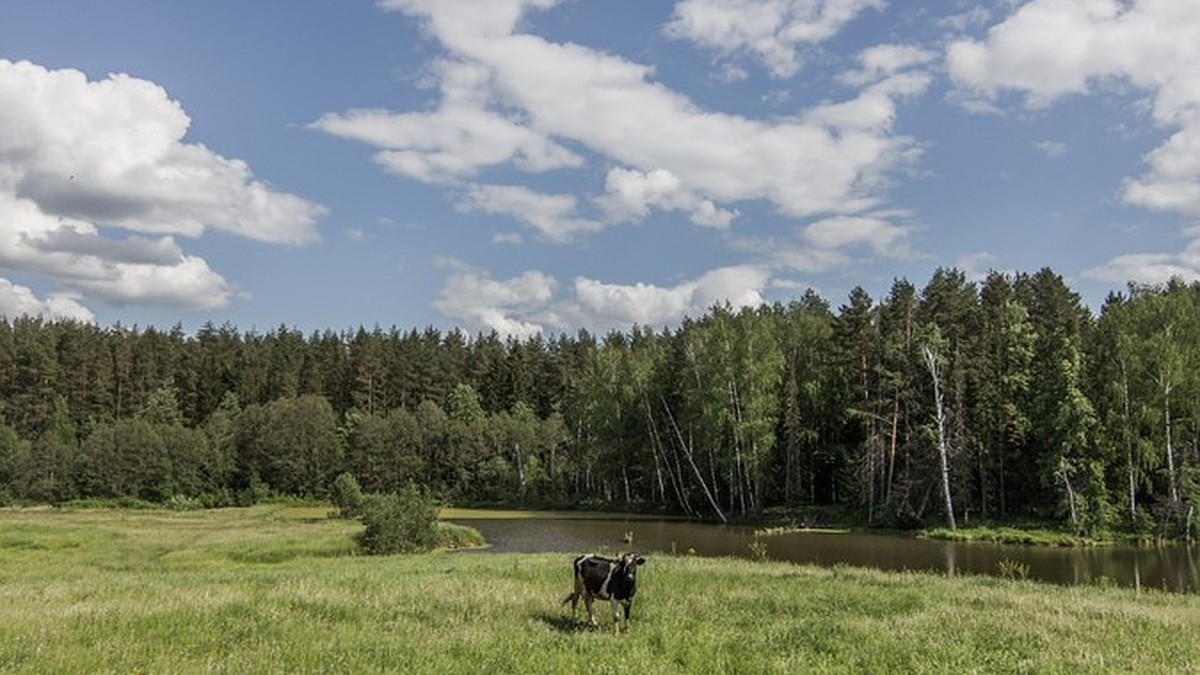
[959,401]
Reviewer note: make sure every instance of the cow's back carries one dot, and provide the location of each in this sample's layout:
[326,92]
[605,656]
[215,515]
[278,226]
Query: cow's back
[592,574]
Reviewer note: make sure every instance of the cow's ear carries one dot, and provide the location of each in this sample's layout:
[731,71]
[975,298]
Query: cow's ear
[640,561]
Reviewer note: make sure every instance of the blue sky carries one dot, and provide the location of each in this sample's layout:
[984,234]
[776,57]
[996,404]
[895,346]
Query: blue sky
[548,165]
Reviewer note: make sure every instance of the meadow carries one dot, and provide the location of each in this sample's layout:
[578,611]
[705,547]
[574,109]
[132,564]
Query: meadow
[275,589]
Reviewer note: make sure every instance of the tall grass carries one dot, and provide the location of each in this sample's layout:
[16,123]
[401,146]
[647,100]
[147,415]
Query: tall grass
[273,589]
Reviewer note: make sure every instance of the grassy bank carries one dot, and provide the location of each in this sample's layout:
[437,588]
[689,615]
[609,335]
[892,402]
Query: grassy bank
[1028,535]
[272,589]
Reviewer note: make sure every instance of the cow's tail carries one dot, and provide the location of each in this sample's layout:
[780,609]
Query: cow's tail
[570,596]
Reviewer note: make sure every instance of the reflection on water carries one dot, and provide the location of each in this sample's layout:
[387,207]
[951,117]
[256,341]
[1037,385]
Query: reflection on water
[1172,568]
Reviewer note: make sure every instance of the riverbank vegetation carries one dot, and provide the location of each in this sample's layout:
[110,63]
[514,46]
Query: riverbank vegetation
[281,589]
[992,401]
[1030,535]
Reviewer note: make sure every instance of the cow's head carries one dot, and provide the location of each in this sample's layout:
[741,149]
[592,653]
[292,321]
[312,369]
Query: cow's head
[628,565]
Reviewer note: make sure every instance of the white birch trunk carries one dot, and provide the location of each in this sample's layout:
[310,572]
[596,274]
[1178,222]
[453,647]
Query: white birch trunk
[931,362]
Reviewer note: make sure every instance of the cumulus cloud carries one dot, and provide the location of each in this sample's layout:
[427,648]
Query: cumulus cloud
[512,307]
[512,98]
[631,194]
[880,235]
[457,140]
[77,156]
[773,31]
[1147,268]
[20,300]
[882,61]
[528,304]
[1050,49]
[508,98]
[835,242]
[554,216]
[618,305]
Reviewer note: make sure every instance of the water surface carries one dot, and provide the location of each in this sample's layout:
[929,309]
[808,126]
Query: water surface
[1172,568]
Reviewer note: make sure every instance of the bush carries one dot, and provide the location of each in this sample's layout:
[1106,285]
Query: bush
[183,503]
[400,522]
[347,496]
[451,535]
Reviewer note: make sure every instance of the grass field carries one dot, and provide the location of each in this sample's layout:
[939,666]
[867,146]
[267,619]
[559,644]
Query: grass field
[275,589]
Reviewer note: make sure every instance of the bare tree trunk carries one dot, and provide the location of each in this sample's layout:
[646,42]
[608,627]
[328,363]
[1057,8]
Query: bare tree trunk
[625,483]
[891,471]
[931,362]
[1128,443]
[699,476]
[1066,479]
[674,473]
[1167,387]
[520,474]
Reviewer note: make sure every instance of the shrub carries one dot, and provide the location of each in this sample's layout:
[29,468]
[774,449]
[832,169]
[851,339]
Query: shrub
[399,522]
[451,535]
[347,496]
[758,549]
[183,503]
[1012,569]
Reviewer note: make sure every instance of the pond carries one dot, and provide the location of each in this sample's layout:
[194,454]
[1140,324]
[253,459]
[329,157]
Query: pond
[1172,568]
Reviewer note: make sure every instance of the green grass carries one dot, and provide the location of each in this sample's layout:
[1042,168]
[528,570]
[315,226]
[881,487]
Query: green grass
[276,590]
[1003,534]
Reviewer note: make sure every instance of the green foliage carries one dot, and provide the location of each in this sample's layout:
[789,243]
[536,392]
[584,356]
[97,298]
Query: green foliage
[398,522]
[1012,569]
[291,444]
[1050,411]
[347,496]
[758,549]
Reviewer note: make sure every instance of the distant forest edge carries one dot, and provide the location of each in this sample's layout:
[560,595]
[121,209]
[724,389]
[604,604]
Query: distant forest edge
[998,400]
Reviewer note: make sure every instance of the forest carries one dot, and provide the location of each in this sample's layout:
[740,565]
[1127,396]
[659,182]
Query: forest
[959,402]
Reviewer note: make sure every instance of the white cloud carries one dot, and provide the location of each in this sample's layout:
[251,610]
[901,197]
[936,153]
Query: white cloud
[631,194]
[835,242]
[20,300]
[976,16]
[504,91]
[76,155]
[507,239]
[455,141]
[112,152]
[554,216]
[1049,49]
[883,61]
[75,256]
[976,265]
[513,307]
[771,30]
[842,232]
[1146,268]
[526,305]
[616,305]
[1051,149]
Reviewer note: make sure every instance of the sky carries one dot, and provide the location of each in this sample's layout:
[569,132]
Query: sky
[546,166]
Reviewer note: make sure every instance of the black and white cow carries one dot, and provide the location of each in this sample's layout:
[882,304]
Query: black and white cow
[602,578]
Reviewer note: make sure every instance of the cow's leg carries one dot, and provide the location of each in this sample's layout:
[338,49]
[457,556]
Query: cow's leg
[628,604]
[580,591]
[573,598]
[616,616]
[587,602]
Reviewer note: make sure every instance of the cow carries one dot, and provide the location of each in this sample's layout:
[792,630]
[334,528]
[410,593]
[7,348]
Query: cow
[609,579]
